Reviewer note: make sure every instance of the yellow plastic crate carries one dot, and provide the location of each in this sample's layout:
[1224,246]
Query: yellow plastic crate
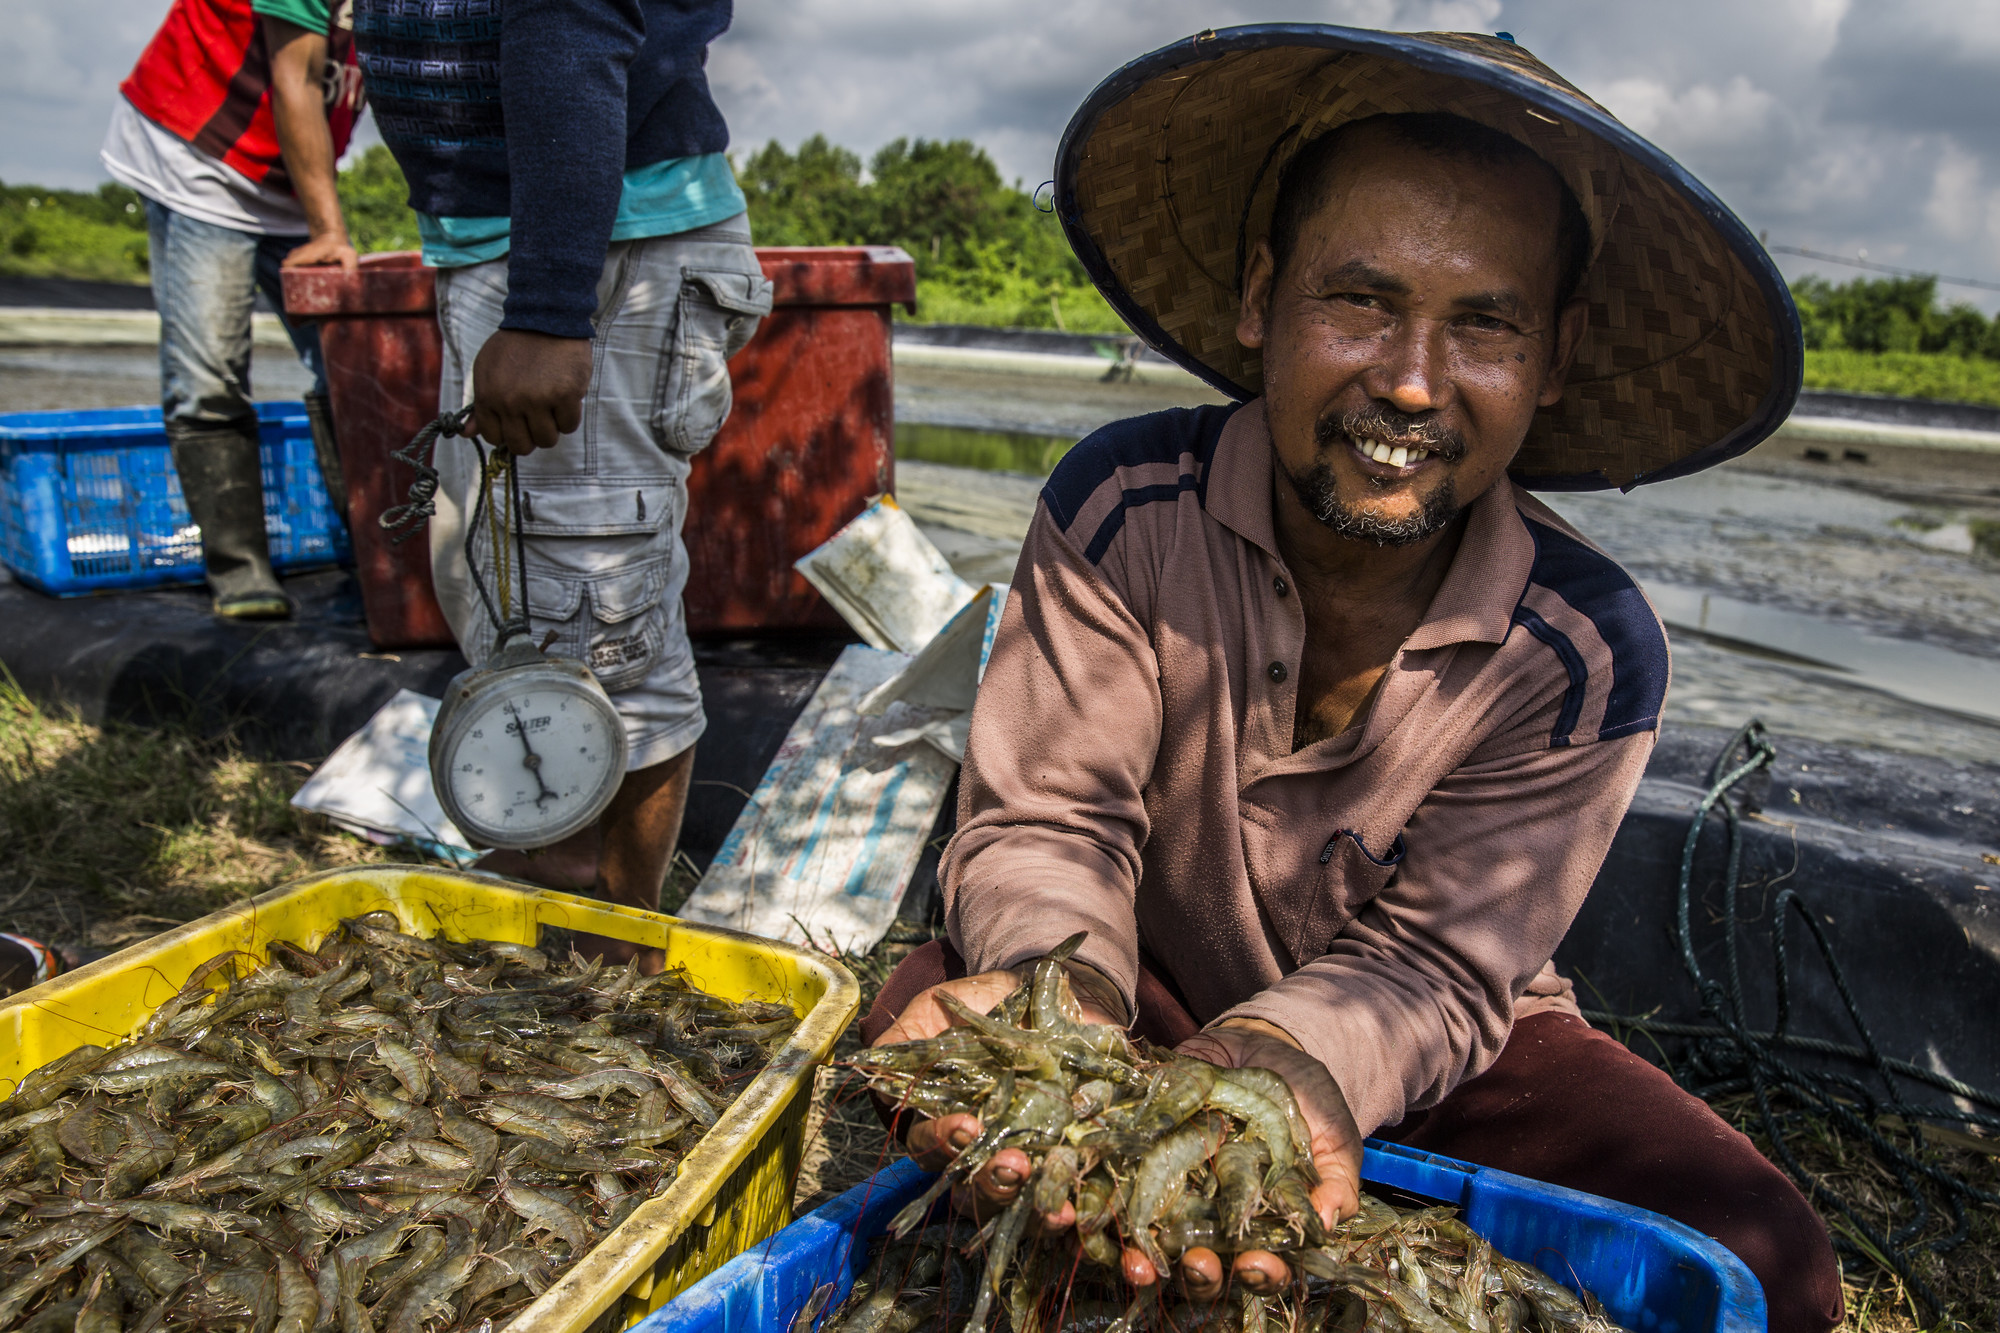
[732,1191]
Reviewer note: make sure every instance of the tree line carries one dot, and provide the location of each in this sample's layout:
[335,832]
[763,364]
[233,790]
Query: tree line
[984,253]
[1891,315]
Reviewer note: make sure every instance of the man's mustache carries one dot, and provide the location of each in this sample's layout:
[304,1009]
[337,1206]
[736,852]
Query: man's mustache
[1379,422]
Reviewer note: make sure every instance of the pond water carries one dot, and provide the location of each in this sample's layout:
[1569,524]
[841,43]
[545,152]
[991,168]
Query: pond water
[987,450]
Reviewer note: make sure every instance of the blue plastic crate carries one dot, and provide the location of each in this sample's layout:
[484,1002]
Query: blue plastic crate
[1653,1274]
[89,501]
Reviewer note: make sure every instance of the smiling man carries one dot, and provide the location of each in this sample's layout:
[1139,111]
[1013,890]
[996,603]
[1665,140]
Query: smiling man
[1306,709]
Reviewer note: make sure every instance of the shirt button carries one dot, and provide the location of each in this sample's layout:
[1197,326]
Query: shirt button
[1278,672]
[1279,586]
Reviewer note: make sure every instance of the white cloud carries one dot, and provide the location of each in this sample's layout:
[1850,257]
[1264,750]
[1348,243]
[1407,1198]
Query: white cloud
[1681,118]
[1957,201]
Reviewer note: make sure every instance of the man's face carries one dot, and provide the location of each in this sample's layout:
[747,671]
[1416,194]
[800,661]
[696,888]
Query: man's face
[1410,337]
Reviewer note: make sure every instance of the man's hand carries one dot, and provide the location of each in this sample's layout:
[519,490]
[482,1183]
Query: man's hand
[933,1143]
[1241,1043]
[527,392]
[321,251]
[1236,1043]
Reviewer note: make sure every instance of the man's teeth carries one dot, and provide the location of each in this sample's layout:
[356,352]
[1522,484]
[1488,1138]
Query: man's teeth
[1395,456]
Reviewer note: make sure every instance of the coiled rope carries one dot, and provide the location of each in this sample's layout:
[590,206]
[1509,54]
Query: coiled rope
[1730,1059]
[501,524]
[403,521]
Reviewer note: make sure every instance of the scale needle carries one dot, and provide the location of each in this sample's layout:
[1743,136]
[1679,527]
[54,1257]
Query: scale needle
[533,763]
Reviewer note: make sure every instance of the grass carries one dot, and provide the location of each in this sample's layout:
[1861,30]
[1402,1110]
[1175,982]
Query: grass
[845,1140]
[1936,375]
[1009,300]
[1966,1277]
[115,833]
[48,233]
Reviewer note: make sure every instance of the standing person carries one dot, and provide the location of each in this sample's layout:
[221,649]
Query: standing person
[230,126]
[594,276]
[1304,707]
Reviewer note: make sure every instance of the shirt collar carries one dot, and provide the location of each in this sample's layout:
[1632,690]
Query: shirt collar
[1239,478]
[1476,601]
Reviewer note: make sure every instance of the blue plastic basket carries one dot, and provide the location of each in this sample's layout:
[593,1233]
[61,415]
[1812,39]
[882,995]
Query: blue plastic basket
[89,501]
[1653,1274]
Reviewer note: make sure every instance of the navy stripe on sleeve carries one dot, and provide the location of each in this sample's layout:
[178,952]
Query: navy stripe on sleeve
[1596,587]
[1160,437]
[1572,660]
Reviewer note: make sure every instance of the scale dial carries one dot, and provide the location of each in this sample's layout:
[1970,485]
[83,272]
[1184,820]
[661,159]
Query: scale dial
[526,752]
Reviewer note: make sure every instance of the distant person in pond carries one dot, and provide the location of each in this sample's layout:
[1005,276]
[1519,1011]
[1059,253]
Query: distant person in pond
[230,126]
[1305,708]
[594,276]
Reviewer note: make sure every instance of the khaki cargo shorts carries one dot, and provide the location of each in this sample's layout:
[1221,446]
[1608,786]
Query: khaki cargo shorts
[602,511]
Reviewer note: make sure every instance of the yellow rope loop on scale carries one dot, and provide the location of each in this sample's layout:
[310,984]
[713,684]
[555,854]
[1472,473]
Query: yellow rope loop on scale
[499,466]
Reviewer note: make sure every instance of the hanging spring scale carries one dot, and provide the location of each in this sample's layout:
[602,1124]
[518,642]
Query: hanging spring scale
[527,749]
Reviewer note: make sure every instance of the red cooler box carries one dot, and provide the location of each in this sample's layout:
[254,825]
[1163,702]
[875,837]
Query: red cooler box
[810,439]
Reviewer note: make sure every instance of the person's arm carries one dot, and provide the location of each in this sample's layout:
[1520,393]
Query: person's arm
[1065,733]
[563,70]
[1416,994]
[1051,808]
[298,104]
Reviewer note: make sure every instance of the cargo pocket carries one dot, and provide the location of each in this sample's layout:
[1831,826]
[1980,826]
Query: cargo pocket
[609,622]
[718,313]
[636,508]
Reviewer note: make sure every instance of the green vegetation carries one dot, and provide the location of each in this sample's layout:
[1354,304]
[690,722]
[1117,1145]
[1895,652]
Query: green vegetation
[375,198]
[101,236]
[1890,336]
[984,253]
[1954,379]
[1891,315]
[69,234]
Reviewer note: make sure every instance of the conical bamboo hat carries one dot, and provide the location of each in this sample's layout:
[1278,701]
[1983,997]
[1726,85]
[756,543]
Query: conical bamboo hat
[1167,175]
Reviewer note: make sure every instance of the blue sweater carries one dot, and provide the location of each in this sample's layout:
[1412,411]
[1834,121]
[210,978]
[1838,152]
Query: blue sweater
[537,119]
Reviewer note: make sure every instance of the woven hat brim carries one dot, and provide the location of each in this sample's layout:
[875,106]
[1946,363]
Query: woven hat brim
[1167,172]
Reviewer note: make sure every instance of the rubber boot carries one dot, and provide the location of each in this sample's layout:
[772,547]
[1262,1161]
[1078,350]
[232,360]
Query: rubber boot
[326,448]
[222,478]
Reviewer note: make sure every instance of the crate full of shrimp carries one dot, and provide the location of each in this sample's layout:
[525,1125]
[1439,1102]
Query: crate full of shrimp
[1141,1159]
[397,1099]
[1643,1271]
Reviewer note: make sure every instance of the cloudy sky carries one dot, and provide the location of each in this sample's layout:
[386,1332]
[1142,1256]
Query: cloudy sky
[1839,125]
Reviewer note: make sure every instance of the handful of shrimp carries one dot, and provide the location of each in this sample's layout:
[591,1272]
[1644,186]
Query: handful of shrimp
[1159,1153]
